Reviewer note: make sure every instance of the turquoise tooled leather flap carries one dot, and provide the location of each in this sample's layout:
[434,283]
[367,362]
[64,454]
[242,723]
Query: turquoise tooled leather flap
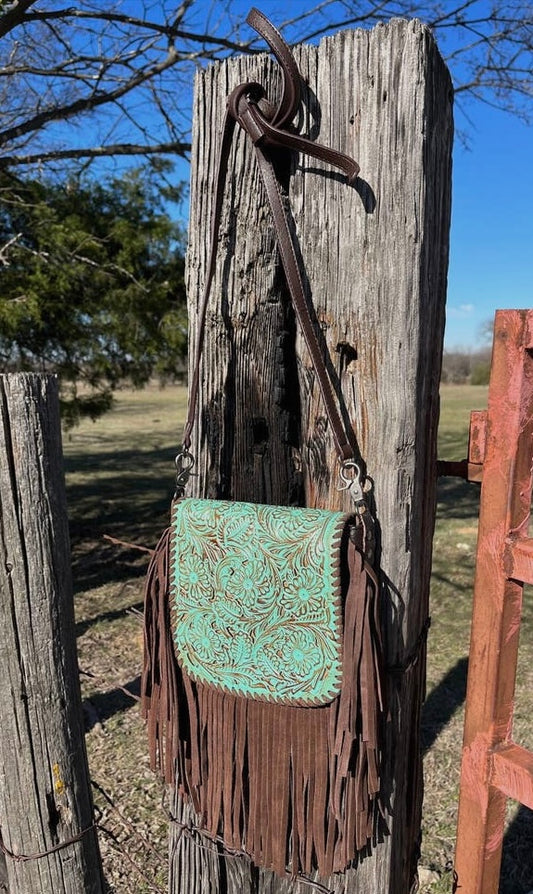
[255,599]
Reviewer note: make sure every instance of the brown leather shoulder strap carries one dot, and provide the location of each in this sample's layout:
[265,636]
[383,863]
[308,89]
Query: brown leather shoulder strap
[290,96]
[266,131]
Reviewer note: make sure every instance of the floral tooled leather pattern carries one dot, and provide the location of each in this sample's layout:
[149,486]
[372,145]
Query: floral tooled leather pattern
[255,599]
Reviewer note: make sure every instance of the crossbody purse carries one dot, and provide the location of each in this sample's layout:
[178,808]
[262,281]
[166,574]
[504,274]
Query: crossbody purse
[261,680]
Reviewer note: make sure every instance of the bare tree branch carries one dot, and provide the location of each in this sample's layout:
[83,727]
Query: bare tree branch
[14,16]
[88,103]
[4,251]
[180,150]
[170,31]
[126,78]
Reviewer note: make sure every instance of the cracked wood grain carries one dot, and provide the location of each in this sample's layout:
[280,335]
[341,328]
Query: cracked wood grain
[45,798]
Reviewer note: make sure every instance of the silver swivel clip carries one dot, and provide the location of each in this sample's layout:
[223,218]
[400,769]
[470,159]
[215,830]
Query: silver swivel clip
[352,481]
[184,462]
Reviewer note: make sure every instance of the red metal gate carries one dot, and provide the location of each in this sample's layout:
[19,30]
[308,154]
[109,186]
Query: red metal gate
[493,767]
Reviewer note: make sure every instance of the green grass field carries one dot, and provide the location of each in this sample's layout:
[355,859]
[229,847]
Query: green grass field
[119,482]
[450,606]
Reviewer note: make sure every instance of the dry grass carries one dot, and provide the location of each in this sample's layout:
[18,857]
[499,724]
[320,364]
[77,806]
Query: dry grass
[119,482]
[451,603]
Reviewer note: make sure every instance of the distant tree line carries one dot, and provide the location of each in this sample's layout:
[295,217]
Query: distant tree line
[460,367]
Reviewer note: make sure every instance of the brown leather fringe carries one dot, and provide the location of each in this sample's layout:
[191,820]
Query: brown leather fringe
[161,685]
[296,788]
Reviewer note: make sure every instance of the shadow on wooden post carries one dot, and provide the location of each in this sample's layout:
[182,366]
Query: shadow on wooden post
[375,260]
[46,811]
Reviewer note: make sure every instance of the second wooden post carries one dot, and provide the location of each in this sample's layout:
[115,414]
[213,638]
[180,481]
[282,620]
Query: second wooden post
[46,815]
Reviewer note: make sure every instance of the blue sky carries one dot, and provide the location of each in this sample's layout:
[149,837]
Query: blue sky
[491,246]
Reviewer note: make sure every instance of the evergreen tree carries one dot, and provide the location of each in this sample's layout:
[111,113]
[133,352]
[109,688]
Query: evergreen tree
[92,283]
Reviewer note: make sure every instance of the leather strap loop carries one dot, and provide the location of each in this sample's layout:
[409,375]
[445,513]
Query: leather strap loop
[247,107]
[290,98]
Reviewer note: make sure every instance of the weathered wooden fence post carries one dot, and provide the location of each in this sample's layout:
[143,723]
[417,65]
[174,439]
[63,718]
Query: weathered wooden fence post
[376,262]
[46,815]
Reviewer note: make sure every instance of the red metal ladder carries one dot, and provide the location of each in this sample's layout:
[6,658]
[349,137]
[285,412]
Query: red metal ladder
[493,767]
